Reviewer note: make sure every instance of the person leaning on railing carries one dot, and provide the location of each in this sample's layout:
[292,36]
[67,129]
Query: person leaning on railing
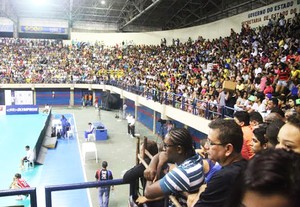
[133,175]
[178,149]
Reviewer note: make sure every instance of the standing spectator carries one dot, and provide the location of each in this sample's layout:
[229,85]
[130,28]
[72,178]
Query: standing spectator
[124,111]
[221,99]
[128,118]
[83,102]
[132,126]
[64,123]
[170,126]
[18,183]
[104,174]
[86,99]
[90,99]
[28,158]
[96,103]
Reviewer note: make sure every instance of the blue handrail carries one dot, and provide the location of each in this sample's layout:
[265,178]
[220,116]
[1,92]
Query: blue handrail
[75,186]
[23,191]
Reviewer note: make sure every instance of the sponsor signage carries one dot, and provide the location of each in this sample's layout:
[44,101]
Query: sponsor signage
[39,29]
[22,109]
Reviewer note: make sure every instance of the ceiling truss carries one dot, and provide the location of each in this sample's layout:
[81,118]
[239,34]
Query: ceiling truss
[152,14]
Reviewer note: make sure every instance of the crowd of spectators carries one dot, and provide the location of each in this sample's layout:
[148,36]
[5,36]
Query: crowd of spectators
[262,61]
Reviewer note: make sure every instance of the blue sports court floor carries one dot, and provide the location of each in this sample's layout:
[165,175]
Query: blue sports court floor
[62,165]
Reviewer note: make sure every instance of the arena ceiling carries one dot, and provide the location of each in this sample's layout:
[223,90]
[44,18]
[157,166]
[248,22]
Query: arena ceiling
[126,14]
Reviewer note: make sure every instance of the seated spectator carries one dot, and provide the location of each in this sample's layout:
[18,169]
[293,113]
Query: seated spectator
[28,158]
[278,111]
[224,145]
[46,109]
[242,118]
[272,132]
[272,117]
[289,135]
[289,112]
[259,140]
[89,131]
[297,106]
[178,149]
[241,101]
[210,166]
[271,179]
[255,119]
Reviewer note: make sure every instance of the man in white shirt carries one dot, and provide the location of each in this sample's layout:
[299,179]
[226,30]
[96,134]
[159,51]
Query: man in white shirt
[128,118]
[29,156]
[89,131]
[132,126]
[124,111]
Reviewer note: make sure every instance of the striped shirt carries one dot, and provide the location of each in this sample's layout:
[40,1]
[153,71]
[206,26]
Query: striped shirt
[186,177]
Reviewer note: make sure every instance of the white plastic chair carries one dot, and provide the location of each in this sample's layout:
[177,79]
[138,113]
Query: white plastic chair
[92,136]
[70,133]
[58,129]
[89,147]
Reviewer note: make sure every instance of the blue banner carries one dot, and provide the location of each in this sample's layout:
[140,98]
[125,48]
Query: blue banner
[22,109]
[39,29]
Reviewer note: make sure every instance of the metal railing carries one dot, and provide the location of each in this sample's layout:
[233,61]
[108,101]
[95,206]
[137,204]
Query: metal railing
[75,186]
[195,106]
[52,188]
[24,191]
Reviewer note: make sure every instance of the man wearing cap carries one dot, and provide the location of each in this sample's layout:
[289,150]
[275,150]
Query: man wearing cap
[252,105]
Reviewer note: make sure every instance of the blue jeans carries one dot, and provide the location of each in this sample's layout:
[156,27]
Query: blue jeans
[86,133]
[104,196]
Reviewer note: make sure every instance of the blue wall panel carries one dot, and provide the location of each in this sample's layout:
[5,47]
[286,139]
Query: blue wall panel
[160,130]
[98,94]
[145,116]
[78,93]
[130,107]
[53,96]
